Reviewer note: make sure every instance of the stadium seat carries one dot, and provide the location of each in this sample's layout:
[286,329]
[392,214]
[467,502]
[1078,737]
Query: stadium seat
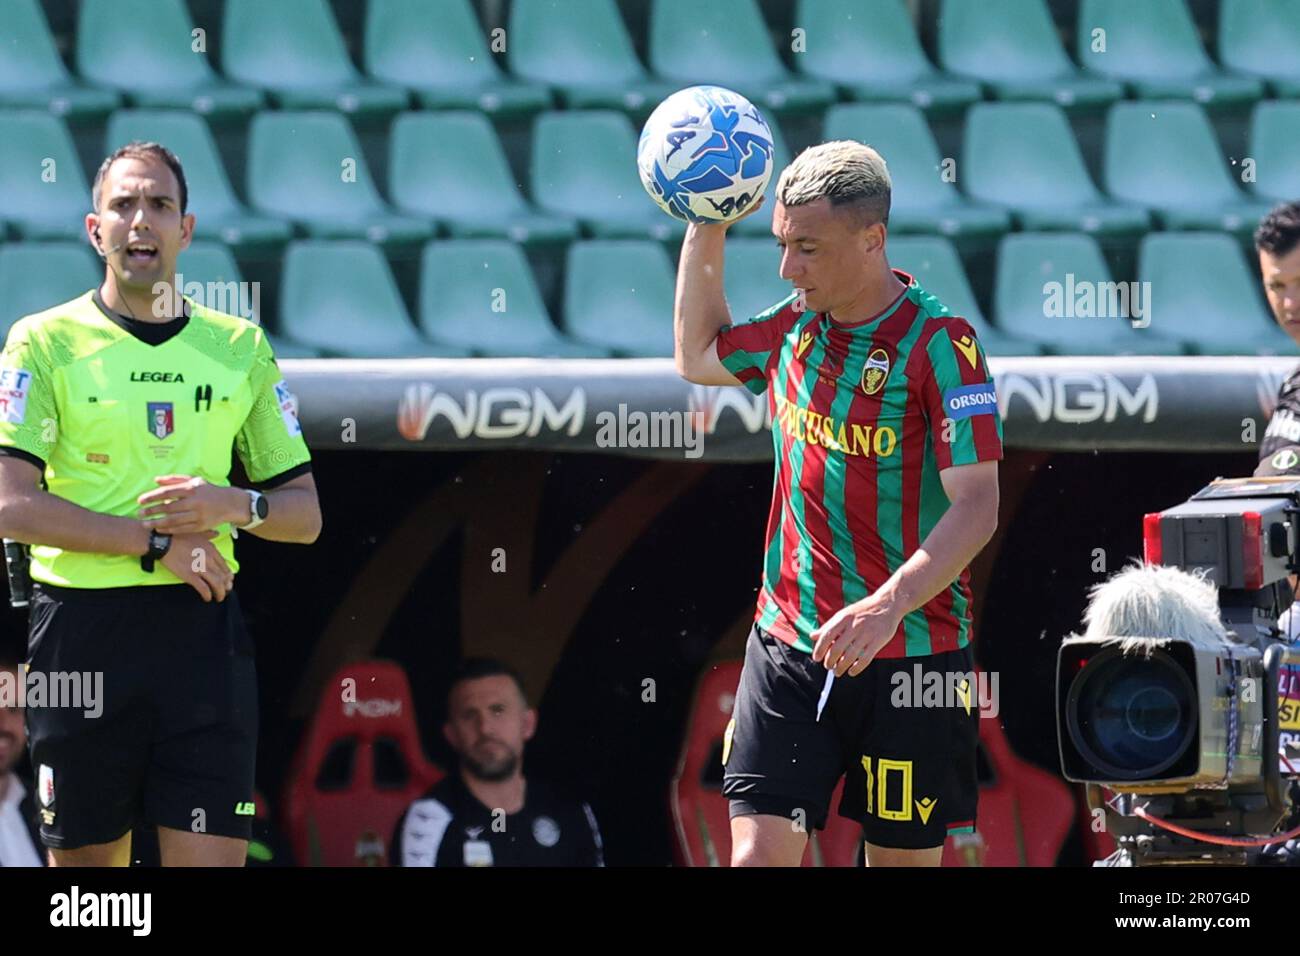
[1205,294]
[293,49]
[751,279]
[32,74]
[1260,38]
[112,47]
[701,826]
[1023,305]
[1025,813]
[1153,46]
[35,276]
[450,166]
[438,51]
[341,298]
[1023,156]
[618,295]
[1193,192]
[211,265]
[1012,46]
[726,42]
[359,767]
[582,48]
[871,52]
[479,294]
[760,223]
[924,199]
[934,264]
[218,213]
[308,167]
[45,192]
[1274,138]
[584,165]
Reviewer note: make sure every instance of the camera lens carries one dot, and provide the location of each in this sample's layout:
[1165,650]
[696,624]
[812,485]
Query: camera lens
[1133,717]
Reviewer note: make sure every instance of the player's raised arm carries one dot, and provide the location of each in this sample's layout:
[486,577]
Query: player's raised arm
[699,307]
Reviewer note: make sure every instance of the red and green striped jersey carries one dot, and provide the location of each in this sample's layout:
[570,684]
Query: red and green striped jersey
[864,418]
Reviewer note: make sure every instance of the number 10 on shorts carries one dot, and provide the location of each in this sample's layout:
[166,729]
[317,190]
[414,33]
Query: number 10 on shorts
[878,788]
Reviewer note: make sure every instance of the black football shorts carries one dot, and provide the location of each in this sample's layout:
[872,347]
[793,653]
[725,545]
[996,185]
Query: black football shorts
[911,771]
[171,740]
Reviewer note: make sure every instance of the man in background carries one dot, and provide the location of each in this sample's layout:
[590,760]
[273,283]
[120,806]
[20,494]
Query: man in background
[487,813]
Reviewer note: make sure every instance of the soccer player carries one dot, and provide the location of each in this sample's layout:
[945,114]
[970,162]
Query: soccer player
[887,436]
[118,413]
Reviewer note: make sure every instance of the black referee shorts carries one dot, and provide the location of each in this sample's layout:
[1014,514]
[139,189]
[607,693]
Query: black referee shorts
[911,777]
[172,740]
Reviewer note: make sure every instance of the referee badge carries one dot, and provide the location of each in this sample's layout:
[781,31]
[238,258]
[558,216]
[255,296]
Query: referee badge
[162,422]
[875,371]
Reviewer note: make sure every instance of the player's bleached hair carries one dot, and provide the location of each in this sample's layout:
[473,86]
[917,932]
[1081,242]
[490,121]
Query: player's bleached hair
[851,175]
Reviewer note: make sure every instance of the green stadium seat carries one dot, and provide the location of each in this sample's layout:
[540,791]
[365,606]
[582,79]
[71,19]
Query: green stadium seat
[1274,140]
[450,166]
[1012,46]
[726,42]
[584,166]
[45,192]
[934,264]
[870,50]
[297,163]
[582,48]
[760,223]
[112,47]
[340,297]
[293,49]
[1153,46]
[35,276]
[217,211]
[1205,294]
[751,277]
[1023,156]
[923,200]
[212,265]
[479,294]
[618,295]
[1061,318]
[32,75]
[1163,154]
[1260,38]
[437,50]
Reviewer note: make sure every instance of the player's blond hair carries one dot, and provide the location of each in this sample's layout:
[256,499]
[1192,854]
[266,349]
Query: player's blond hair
[851,175]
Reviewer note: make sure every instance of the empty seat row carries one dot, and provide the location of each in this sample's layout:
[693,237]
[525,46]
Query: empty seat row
[293,52]
[1054,293]
[1021,167]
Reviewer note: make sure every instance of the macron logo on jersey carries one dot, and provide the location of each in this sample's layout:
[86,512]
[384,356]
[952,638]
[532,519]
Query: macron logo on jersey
[970,400]
[15,383]
[288,408]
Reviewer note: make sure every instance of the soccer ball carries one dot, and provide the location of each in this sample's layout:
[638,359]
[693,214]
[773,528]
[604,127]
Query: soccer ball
[705,154]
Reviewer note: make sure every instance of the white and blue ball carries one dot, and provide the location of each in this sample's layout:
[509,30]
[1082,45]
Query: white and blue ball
[705,154]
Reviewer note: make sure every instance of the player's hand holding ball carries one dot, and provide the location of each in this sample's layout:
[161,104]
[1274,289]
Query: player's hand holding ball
[705,156]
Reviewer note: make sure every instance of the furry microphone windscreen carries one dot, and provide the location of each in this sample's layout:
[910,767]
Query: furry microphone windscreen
[1142,606]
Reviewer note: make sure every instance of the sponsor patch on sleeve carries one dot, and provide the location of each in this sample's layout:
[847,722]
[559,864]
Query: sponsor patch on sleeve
[288,408]
[15,384]
[979,399]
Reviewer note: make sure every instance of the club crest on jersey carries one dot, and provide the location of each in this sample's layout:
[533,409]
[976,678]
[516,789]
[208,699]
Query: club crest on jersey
[162,422]
[875,371]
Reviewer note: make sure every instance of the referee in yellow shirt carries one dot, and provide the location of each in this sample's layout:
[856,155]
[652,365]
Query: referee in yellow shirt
[118,412]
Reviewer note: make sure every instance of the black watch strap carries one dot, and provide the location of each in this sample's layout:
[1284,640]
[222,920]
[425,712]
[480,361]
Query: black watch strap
[158,546]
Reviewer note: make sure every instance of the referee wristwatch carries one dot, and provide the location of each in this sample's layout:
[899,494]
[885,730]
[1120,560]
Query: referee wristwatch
[257,509]
[159,544]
